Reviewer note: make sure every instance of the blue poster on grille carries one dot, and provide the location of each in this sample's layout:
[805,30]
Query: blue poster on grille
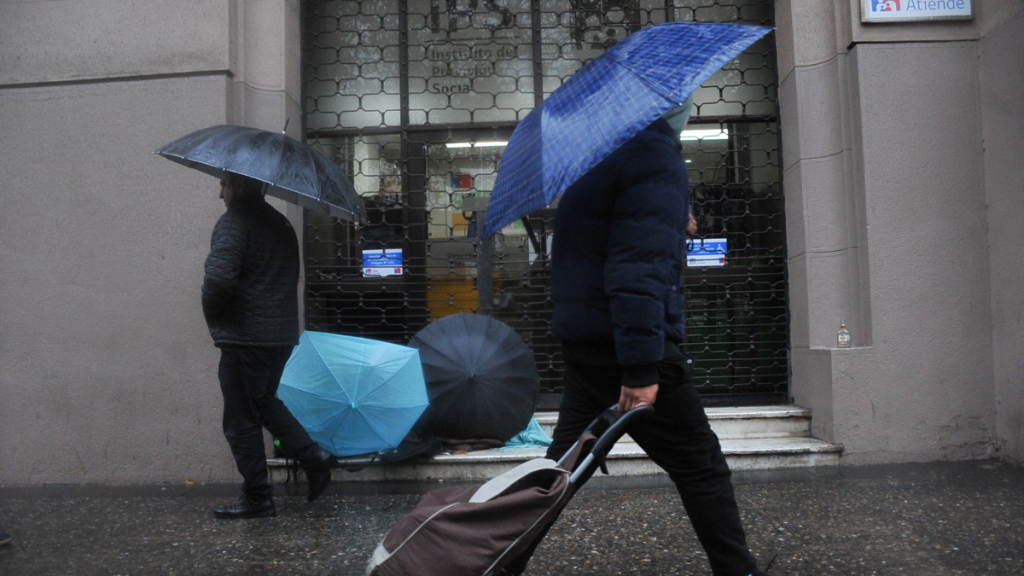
[706,252]
[382,262]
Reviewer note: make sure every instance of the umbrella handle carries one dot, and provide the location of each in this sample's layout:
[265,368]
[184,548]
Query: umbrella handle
[533,237]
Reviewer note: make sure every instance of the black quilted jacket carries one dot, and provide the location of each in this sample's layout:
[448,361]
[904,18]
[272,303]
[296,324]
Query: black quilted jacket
[252,274]
[618,254]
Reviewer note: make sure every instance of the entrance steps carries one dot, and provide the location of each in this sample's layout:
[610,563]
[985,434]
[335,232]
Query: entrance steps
[752,438]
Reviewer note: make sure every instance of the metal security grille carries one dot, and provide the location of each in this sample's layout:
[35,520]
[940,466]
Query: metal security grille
[416,98]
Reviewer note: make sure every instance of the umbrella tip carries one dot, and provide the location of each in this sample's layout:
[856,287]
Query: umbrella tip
[285,129]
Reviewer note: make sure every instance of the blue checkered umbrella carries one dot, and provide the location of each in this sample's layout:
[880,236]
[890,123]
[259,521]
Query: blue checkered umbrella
[604,105]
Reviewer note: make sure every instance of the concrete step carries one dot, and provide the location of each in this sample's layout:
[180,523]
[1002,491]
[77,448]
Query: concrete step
[752,438]
[736,422]
[626,459]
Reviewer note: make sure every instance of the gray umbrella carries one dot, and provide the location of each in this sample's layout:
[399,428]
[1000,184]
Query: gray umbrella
[292,170]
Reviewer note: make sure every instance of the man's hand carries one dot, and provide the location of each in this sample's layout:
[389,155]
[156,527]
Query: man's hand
[636,397]
[691,226]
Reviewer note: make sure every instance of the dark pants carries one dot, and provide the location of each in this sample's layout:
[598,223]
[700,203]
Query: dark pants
[249,377]
[677,438]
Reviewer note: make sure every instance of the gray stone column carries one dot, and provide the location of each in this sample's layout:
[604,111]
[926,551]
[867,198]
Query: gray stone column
[823,219]
[887,222]
[266,83]
[1002,84]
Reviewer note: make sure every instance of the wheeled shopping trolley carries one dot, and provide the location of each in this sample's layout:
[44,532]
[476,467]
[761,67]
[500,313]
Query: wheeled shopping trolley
[492,529]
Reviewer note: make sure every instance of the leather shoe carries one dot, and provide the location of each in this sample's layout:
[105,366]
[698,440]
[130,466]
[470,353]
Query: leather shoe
[318,472]
[245,508]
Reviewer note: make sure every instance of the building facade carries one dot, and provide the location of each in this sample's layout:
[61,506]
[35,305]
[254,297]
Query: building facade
[417,101]
[894,150]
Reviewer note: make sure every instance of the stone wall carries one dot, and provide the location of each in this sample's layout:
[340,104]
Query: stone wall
[107,372]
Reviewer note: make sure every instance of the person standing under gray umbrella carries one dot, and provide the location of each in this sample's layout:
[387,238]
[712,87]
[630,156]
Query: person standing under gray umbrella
[617,258]
[250,302]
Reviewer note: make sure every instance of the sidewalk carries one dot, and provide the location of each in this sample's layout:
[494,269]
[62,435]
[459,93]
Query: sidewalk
[928,520]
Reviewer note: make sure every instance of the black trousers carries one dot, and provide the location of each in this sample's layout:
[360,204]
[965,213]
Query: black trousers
[677,438]
[249,377]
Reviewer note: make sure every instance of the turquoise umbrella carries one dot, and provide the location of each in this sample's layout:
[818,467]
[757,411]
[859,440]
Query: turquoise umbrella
[353,395]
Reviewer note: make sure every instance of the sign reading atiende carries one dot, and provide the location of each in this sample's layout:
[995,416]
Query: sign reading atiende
[911,10]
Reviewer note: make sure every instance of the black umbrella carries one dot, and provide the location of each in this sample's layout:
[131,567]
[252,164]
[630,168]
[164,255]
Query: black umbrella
[481,378]
[292,170]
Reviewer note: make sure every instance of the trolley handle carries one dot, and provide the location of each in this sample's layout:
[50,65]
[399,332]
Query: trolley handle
[617,430]
[611,427]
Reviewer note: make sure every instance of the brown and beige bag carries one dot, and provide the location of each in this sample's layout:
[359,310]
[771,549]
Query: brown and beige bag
[474,530]
[492,529]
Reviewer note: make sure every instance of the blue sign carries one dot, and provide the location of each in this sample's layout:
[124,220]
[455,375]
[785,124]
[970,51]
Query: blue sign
[382,262]
[706,252]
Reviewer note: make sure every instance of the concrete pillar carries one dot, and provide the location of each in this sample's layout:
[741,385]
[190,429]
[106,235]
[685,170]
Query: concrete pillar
[1002,83]
[822,216]
[266,83]
[886,190]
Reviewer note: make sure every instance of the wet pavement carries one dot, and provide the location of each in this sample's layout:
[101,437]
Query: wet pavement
[915,519]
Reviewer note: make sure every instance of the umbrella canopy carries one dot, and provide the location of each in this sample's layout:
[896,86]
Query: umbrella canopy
[292,170]
[605,104]
[481,377]
[353,395]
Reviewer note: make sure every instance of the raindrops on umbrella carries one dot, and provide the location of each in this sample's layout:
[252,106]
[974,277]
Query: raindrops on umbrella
[292,171]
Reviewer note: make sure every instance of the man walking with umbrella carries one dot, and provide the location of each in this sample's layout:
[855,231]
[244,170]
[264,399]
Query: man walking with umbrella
[607,141]
[620,245]
[250,303]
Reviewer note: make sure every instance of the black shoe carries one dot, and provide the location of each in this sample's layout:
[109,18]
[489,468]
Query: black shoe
[5,538]
[318,472]
[246,508]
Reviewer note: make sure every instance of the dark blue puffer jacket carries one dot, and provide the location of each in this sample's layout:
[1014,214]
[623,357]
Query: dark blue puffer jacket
[250,288]
[618,251]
